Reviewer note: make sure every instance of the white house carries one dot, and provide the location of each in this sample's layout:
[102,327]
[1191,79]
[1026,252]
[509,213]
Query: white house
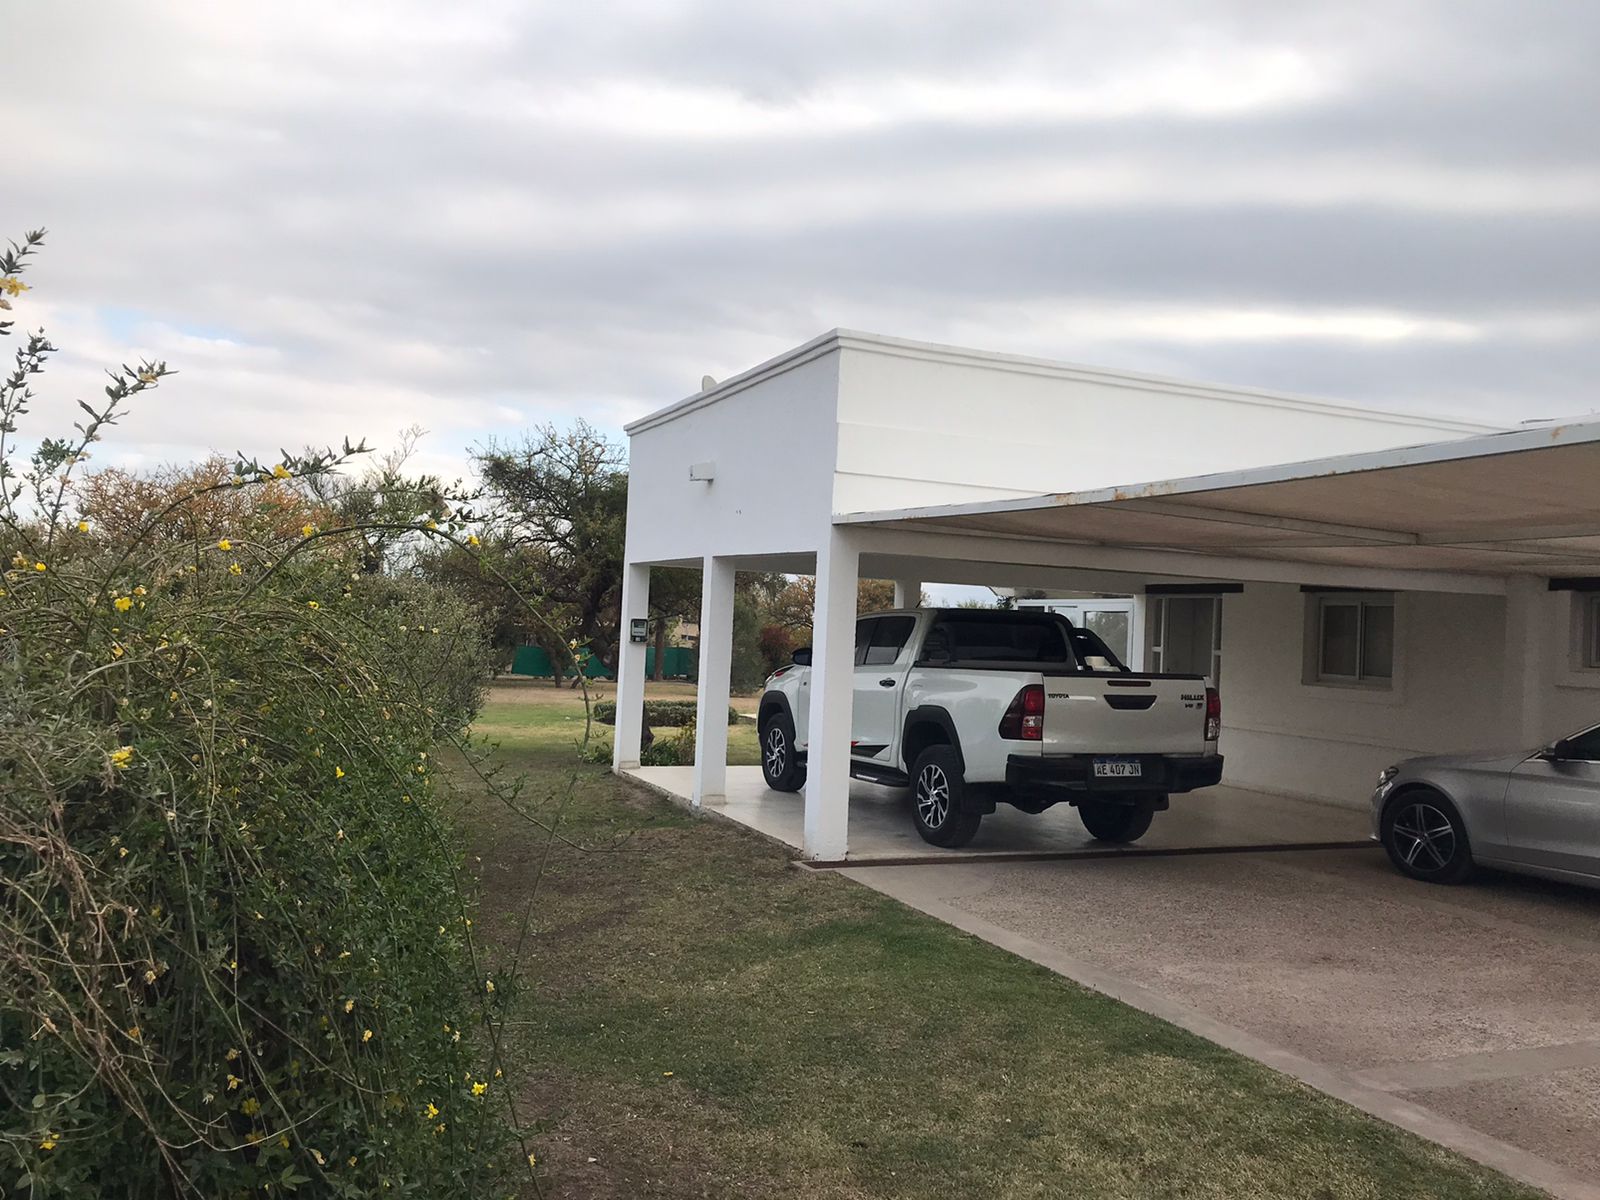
[1365,585]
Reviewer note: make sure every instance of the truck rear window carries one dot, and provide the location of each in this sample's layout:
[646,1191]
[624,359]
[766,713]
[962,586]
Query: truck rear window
[1010,637]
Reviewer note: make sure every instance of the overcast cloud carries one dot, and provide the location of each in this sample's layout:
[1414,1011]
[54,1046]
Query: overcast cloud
[351,217]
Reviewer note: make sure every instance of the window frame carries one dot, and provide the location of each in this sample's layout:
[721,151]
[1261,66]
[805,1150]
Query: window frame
[1316,643]
[1160,631]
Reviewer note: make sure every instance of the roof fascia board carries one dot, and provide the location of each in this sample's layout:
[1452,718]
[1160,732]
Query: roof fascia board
[816,348]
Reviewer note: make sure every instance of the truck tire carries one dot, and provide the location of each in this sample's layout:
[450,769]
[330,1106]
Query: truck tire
[937,787]
[780,765]
[1108,821]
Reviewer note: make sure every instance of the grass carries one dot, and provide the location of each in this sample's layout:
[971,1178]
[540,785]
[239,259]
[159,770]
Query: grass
[533,716]
[702,1019]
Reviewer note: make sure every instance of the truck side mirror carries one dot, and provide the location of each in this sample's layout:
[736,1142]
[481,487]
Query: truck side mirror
[802,656]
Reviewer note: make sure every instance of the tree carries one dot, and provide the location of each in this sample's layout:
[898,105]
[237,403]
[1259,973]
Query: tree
[792,606]
[560,501]
[119,503]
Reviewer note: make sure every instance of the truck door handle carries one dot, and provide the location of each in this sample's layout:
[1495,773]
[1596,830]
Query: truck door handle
[885,683]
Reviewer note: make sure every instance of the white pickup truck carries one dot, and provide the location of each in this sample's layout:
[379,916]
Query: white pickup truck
[973,706]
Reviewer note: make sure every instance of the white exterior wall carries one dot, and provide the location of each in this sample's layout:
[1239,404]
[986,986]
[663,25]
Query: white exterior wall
[1282,734]
[771,444]
[923,425]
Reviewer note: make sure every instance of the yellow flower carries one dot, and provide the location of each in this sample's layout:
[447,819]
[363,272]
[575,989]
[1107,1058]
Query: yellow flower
[133,1032]
[48,1142]
[433,524]
[312,604]
[12,286]
[250,1107]
[139,591]
[479,1089]
[122,603]
[233,1082]
[488,985]
[235,569]
[122,756]
[366,1035]
[338,773]
[116,650]
[430,1112]
[349,1005]
[307,530]
[150,976]
[472,540]
[532,1160]
[224,544]
[317,1154]
[439,1128]
[83,527]
[284,1141]
[351,1161]
[281,472]
[231,1055]
[39,566]
[173,696]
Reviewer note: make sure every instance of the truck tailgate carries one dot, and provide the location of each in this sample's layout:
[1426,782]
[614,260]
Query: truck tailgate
[1124,714]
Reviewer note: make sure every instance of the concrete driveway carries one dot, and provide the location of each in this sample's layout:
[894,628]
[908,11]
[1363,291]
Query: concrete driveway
[1471,1014]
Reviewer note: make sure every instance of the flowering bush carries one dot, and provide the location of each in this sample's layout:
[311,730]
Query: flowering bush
[236,955]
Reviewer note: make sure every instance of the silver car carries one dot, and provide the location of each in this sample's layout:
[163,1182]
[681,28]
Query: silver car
[1534,813]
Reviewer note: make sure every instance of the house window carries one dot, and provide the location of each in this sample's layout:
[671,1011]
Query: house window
[1188,636]
[1591,630]
[1354,641]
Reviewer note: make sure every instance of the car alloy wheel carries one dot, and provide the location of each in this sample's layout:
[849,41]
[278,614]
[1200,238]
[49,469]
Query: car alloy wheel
[775,752]
[933,796]
[1424,837]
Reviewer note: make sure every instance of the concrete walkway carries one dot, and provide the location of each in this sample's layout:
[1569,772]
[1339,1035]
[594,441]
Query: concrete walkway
[1468,1015]
[881,829]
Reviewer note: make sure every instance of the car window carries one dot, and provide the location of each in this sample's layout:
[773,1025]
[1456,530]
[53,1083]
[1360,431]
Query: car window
[864,628]
[988,636]
[889,637]
[1584,746]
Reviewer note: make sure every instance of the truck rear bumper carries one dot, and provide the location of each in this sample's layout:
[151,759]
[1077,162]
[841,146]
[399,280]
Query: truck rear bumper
[1074,773]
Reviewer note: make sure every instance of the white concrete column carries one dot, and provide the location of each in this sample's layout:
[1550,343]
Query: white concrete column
[833,646]
[716,667]
[630,668]
[1138,633]
[1525,677]
[907,593]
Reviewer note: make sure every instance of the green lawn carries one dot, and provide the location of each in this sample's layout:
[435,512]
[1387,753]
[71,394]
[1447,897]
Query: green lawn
[535,716]
[703,1019]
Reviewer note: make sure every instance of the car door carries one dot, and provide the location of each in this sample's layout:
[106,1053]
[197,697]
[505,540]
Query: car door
[1552,807]
[880,643]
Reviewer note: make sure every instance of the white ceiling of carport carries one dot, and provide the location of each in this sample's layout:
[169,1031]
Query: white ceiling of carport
[1522,502]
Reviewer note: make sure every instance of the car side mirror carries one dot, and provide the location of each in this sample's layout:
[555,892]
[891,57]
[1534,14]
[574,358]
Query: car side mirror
[802,656]
[1557,750]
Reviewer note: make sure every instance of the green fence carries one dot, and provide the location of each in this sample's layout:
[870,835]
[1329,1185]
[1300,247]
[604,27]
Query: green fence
[535,661]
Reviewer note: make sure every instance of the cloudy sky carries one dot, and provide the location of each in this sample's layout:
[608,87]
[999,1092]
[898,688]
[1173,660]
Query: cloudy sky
[350,217]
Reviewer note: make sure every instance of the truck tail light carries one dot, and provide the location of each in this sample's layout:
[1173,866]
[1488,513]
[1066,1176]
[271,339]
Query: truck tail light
[1024,719]
[1213,714]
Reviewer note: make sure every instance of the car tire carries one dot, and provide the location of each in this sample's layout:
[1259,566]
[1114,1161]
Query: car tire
[780,764]
[937,790]
[1426,838]
[1108,821]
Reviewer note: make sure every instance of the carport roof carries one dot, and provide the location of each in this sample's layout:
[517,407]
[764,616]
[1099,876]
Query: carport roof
[1526,501]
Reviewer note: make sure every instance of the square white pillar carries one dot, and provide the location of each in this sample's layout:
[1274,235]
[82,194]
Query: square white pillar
[716,670]
[630,668]
[833,648]
[907,593]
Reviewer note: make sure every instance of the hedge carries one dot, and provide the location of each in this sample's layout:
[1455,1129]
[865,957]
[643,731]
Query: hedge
[657,712]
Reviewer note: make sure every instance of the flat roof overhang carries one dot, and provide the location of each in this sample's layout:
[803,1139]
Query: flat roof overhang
[1523,502]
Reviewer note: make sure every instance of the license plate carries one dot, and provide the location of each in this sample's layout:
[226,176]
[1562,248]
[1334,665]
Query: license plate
[1118,768]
